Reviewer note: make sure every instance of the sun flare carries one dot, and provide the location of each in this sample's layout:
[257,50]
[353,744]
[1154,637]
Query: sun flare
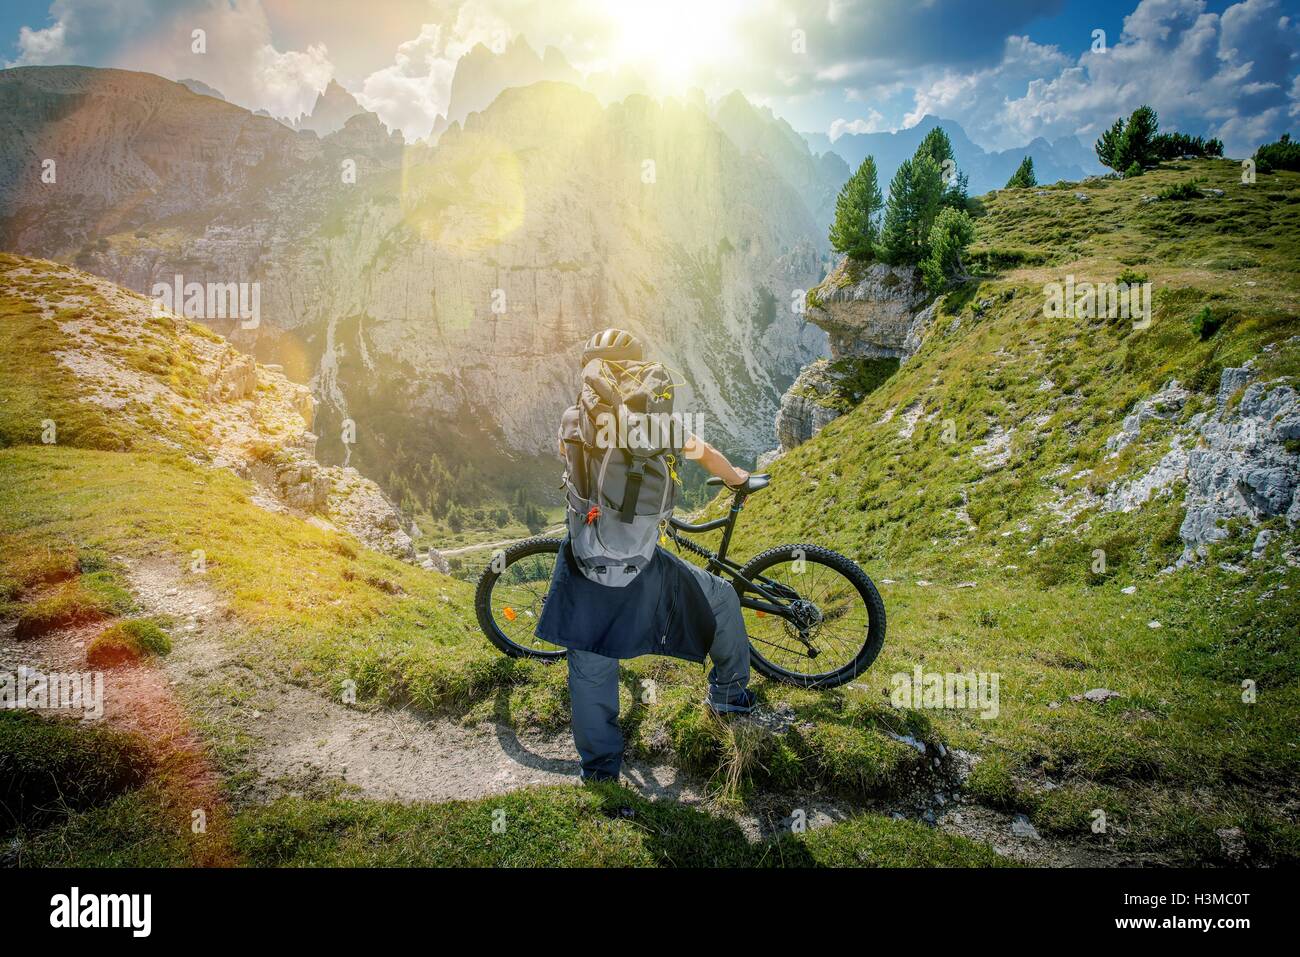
[672,40]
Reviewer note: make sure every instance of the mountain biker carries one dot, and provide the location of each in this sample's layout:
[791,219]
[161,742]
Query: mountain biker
[667,606]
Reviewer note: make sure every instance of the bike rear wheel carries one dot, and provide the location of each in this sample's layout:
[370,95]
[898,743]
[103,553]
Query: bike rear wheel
[511,593]
[841,626]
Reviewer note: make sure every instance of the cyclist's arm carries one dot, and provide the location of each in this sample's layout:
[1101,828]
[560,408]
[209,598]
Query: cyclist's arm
[714,462]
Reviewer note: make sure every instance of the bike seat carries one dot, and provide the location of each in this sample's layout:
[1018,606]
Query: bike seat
[752,484]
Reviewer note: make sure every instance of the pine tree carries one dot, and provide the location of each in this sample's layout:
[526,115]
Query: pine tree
[1024,175]
[854,231]
[952,232]
[1134,142]
[938,147]
[1138,145]
[915,197]
[1108,144]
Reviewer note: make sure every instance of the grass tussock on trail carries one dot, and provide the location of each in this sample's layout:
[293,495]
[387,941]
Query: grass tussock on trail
[1177,759]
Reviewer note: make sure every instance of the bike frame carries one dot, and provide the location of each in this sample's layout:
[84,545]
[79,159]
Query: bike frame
[771,594]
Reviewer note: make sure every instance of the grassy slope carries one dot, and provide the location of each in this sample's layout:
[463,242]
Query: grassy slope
[1180,754]
[1176,758]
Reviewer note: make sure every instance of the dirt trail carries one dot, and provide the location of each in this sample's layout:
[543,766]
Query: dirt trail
[300,738]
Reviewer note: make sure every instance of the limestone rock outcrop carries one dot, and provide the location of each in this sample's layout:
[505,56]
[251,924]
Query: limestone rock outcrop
[868,310]
[875,311]
[1236,459]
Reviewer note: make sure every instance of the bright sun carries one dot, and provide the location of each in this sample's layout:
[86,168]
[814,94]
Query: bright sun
[674,40]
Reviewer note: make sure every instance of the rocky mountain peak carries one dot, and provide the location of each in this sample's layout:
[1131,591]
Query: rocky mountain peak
[334,107]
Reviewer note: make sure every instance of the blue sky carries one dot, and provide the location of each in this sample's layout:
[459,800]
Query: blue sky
[1007,70]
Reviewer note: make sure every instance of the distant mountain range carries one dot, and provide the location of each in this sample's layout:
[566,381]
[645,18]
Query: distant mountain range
[1067,158]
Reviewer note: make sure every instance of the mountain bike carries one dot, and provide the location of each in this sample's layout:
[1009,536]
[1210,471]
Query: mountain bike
[814,618]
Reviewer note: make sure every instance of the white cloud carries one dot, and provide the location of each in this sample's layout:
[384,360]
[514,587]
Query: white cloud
[288,82]
[411,93]
[38,47]
[873,123]
[1206,74]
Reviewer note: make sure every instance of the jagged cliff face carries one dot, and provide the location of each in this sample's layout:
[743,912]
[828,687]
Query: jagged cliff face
[443,297]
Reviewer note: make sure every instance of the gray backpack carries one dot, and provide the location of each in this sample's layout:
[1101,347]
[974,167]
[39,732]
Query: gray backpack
[622,444]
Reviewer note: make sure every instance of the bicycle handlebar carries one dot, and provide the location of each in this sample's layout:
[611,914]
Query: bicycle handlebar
[752,484]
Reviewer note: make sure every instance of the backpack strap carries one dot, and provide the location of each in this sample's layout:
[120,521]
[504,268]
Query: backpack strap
[635,476]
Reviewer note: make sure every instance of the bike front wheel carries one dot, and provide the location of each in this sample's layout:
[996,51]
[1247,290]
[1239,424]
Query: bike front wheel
[833,625]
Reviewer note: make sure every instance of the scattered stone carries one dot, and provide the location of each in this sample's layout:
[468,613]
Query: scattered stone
[1232,840]
[908,740]
[1096,695]
[966,585]
[1164,405]
[1128,590]
[1022,827]
[1153,625]
[1265,536]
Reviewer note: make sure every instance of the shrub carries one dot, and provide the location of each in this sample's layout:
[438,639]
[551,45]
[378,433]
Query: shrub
[1189,189]
[1284,154]
[1205,323]
[1170,146]
[1134,170]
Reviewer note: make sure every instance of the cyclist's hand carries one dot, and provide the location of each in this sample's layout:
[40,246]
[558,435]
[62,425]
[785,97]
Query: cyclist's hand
[741,477]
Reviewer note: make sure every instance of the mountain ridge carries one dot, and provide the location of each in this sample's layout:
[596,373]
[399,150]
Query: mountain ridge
[1065,159]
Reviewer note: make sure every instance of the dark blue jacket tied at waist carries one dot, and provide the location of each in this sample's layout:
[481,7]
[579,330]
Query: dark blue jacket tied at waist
[663,612]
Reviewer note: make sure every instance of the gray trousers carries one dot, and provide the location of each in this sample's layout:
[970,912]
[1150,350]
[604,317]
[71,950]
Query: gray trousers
[593,680]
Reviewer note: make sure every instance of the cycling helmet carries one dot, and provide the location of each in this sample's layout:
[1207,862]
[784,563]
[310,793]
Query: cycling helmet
[612,344]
